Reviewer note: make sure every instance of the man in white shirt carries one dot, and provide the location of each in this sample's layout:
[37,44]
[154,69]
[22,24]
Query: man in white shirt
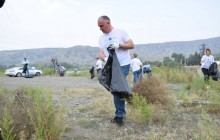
[121,43]
[25,64]
[136,67]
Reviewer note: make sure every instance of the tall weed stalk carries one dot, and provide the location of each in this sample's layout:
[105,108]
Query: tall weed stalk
[7,125]
[45,119]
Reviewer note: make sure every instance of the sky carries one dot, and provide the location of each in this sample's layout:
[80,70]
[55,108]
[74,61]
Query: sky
[28,24]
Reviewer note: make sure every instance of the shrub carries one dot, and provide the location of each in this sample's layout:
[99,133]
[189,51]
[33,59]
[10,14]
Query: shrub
[153,91]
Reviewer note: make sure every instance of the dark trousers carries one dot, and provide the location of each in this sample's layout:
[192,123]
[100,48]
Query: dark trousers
[120,103]
[206,74]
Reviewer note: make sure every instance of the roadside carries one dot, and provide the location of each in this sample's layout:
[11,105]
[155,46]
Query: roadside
[54,83]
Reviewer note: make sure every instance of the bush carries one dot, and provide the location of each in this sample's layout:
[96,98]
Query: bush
[153,91]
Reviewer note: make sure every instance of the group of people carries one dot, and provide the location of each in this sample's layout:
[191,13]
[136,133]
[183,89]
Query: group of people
[136,65]
[121,42]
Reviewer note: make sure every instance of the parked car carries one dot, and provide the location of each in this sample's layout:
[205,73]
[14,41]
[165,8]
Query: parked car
[17,72]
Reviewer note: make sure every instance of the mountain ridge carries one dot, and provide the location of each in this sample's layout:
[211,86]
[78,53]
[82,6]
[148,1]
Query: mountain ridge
[85,55]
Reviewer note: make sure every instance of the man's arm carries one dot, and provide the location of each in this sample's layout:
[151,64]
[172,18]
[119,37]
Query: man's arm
[102,55]
[127,45]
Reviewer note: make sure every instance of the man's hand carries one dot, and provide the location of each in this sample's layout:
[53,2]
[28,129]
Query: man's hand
[105,59]
[114,46]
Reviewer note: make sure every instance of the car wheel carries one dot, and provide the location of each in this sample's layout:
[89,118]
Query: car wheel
[38,74]
[19,74]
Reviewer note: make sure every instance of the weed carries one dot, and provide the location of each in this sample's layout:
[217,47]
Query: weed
[45,119]
[214,107]
[188,87]
[141,111]
[33,113]
[7,125]
[185,98]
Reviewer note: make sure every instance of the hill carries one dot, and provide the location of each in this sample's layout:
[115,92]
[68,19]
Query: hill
[85,55]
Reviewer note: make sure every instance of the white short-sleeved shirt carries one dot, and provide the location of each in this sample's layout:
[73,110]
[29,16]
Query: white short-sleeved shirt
[25,62]
[136,64]
[99,64]
[207,61]
[116,36]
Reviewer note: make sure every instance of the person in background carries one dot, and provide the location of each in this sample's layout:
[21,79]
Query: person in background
[146,69]
[57,70]
[206,61]
[118,40]
[25,64]
[98,66]
[136,67]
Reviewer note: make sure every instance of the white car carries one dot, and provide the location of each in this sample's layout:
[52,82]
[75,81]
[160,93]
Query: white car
[17,72]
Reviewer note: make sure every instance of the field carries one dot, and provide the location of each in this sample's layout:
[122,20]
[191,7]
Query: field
[80,108]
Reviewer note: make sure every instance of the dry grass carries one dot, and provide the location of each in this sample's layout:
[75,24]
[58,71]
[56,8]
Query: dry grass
[153,91]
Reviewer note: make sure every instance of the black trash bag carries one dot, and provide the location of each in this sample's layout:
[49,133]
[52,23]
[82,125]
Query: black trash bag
[29,76]
[2,3]
[213,71]
[92,72]
[112,77]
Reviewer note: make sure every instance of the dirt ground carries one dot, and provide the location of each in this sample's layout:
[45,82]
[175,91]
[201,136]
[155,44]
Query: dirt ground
[55,83]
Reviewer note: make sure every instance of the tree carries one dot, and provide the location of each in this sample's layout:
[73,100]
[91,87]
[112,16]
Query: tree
[178,58]
[167,61]
[194,59]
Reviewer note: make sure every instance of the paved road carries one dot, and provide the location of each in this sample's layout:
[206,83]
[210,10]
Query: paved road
[49,82]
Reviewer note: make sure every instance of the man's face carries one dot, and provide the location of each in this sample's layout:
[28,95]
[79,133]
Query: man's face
[104,25]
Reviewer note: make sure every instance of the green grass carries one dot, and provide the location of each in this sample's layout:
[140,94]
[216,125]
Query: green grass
[83,73]
[2,73]
[174,75]
[7,125]
[48,72]
[32,112]
[140,110]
